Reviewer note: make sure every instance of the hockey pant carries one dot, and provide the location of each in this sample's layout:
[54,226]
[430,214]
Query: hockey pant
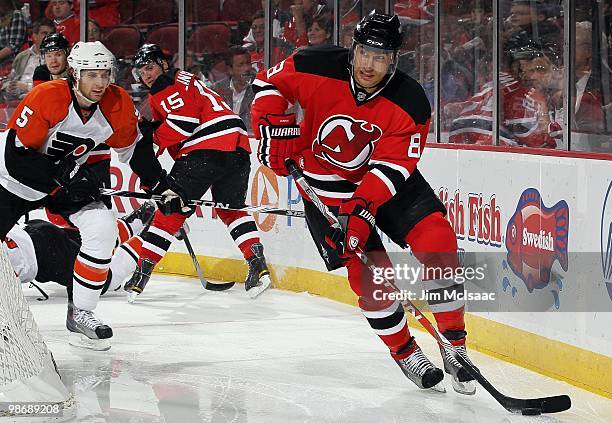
[96,268]
[226,174]
[98,230]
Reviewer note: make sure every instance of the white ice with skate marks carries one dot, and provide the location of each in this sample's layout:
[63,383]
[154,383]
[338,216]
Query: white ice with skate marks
[182,354]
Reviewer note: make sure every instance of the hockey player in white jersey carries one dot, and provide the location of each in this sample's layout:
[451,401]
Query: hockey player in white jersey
[50,137]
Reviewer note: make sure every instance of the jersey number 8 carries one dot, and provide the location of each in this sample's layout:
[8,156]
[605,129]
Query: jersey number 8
[414,149]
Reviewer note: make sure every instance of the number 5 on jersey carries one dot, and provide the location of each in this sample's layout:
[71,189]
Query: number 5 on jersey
[22,120]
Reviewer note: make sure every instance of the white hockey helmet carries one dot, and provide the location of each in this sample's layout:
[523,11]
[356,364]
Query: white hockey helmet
[91,55]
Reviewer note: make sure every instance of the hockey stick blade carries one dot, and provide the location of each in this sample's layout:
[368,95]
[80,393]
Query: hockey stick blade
[206,203]
[553,404]
[205,284]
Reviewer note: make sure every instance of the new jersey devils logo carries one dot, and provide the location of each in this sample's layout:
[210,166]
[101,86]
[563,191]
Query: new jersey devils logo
[346,142]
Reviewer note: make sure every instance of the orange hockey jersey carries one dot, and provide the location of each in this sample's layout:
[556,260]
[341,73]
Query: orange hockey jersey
[48,126]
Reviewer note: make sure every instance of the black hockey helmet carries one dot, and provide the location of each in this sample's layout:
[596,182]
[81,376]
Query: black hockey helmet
[379,30]
[54,42]
[147,53]
[376,34]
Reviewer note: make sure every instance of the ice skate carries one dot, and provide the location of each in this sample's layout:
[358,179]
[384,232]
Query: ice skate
[86,330]
[462,382]
[258,279]
[139,279]
[419,369]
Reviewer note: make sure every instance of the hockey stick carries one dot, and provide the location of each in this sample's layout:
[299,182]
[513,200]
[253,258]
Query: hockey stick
[531,406]
[205,284]
[44,294]
[206,203]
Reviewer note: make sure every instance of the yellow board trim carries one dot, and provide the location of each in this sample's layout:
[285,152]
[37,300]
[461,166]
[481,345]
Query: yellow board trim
[546,356]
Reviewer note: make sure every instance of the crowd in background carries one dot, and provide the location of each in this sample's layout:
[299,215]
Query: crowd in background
[225,48]
[531,72]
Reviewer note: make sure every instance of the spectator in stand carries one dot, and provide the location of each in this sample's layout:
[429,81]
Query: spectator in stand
[279,17]
[66,22]
[54,48]
[526,119]
[529,22]
[13,28]
[320,30]
[589,112]
[94,31]
[104,12]
[295,31]
[350,14]
[536,74]
[254,43]
[415,12]
[237,91]
[19,81]
[346,36]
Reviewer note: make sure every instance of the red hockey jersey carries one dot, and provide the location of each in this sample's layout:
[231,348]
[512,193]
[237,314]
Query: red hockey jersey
[366,149]
[519,118]
[193,116]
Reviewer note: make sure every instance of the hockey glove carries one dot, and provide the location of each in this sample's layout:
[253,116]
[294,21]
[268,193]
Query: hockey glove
[277,142]
[66,170]
[78,183]
[356,223]
[147,128]
[174,198]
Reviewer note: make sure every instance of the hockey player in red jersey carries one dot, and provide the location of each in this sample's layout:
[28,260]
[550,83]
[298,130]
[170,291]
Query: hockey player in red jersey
[363,133]
[51,135]
[210,146]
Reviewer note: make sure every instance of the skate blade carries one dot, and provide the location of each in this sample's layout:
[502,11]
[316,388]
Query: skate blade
[81,341]
[131,296]
[439,387]
[464,388]
[264,283]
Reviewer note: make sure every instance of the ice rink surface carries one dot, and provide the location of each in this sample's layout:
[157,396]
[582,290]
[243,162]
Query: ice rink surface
[182,354]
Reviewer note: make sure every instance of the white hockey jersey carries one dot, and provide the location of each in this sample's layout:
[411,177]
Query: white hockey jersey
[49,121]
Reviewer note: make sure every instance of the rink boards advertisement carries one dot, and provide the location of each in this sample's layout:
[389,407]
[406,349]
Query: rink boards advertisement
[540,225]
[508,209]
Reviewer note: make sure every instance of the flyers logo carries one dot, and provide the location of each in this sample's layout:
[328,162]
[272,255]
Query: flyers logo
[346,142]
[64,144]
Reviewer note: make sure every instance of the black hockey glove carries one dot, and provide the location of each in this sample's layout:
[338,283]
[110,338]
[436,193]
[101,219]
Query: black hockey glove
[174,198]
[147,128]
[66,170]
[78,183]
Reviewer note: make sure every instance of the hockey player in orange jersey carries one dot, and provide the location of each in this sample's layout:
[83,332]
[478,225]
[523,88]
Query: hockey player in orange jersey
[49,139]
